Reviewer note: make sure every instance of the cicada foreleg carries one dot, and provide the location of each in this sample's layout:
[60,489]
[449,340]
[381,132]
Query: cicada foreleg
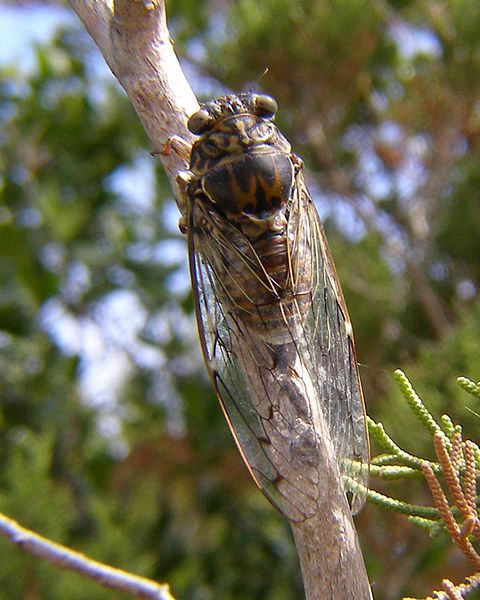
[189,186]
[183,180]
[183,149]
[176,144]
[297,162]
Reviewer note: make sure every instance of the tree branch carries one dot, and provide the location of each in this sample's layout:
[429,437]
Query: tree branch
[133,37]
[96,16]
[329,551]
[68,559]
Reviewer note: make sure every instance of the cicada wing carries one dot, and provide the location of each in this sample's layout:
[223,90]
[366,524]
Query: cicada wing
[278,388]
[330,353]
[257,402]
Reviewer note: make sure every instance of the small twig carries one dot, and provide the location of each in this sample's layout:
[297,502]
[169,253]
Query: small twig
[469,386]
[449,463]
[458,463]
[393,472]
[451,590]
[416,403]
[473,583]
[382,460]
[468,526]
[378,432]
[65,558]
[434,527]
[456,452]
[426,512]
[470,478]
[448,426]
[441,502]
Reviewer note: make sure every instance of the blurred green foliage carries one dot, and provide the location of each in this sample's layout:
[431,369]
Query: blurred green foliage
[111,438]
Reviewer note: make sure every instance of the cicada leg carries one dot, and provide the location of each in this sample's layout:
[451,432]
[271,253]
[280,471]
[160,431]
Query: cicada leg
[189,186]
[182,148]
[297,162]
[183,180]
[174,144]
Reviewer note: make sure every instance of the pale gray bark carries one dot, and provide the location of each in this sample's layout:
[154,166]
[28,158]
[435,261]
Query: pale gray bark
[329,551]
[133,38]
[65,558]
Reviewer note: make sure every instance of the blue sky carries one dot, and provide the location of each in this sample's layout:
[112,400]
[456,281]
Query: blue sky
[20,27]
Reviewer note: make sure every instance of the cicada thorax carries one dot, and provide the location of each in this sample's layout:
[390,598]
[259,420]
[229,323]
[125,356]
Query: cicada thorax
[245,185]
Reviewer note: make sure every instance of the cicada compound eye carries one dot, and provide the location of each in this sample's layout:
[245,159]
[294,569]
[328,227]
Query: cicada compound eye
[200,121]
[264,106]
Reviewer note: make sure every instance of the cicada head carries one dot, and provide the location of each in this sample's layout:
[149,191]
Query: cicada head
[212,112]
[233,125]
[241,158]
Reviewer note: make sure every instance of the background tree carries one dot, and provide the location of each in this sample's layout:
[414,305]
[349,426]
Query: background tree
[112,441]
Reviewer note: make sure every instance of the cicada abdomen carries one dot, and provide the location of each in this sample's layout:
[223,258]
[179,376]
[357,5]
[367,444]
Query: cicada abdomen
[274,328]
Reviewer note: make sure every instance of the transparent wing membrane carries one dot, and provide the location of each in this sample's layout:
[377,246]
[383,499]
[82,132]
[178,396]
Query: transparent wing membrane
[277,342]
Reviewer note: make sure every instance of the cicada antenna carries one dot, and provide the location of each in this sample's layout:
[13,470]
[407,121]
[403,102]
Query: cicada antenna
[253,87]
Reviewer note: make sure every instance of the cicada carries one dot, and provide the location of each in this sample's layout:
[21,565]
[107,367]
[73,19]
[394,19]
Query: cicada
[273,324]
